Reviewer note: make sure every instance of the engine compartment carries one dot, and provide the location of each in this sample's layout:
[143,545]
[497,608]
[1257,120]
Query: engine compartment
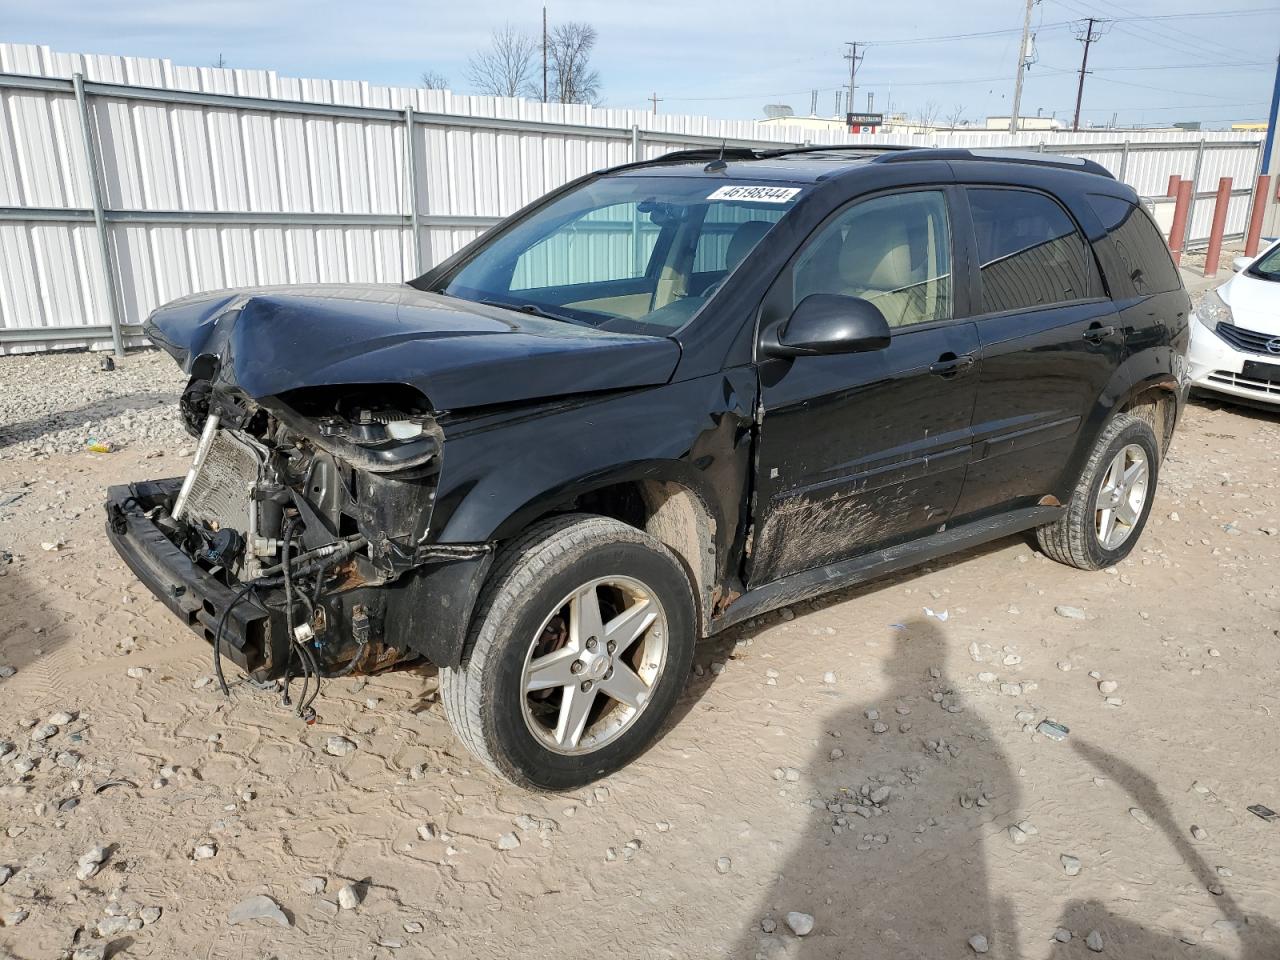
[306,508]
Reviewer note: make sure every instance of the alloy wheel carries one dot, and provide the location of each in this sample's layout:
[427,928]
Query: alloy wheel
[592,665]
[1121,497]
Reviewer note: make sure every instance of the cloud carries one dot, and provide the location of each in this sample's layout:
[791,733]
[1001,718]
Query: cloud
[706,58]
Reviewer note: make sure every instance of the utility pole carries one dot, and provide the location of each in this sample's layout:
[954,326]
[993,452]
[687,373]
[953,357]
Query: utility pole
[544,53]
[1022,65]
[656,100]
[1088,38]
[854,59]
[813,104]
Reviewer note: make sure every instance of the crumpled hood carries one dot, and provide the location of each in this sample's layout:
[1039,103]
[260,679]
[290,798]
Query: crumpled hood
[459,354]
[1254,303]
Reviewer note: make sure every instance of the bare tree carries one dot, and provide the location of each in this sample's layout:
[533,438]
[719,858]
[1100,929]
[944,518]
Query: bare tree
[572,78]
[433,81]
[220,63]
[955,117]
[927,115]
[506,68]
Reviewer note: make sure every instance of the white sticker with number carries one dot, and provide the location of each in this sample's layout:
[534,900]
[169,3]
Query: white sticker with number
[760,194]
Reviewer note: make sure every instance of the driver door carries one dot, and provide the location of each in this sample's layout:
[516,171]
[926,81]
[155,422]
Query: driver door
[861,451]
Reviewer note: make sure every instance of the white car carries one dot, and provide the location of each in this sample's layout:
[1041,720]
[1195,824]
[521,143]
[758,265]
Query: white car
[1235,343]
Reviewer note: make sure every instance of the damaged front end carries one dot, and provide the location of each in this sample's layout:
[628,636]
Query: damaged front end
[297,542]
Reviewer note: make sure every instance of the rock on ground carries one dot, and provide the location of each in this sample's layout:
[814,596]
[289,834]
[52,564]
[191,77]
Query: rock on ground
[258,907]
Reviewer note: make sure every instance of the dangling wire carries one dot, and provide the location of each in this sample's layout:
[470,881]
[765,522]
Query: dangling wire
[217,636]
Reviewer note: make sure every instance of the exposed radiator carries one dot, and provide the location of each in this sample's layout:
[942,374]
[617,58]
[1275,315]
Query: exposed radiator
[221,492]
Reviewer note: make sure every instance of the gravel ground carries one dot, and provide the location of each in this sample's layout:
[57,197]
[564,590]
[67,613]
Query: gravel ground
[858,776]
[59,403]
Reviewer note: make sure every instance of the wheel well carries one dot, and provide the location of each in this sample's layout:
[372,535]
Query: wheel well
[1157,406]
[674,515]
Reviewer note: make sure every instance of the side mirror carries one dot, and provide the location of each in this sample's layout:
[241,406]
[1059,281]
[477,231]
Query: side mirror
[824,323]
[1239,263]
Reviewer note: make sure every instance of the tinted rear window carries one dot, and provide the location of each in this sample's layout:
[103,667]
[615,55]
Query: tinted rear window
[1030,251]
[1139,263]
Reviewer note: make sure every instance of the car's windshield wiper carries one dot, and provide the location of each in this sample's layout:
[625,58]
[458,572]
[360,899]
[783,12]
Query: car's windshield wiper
[535,310]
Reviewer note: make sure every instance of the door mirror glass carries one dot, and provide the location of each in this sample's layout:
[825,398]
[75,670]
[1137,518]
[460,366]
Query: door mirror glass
[1239,263]
[824,323]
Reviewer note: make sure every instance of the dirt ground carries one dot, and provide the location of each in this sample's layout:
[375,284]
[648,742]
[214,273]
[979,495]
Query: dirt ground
[743,812]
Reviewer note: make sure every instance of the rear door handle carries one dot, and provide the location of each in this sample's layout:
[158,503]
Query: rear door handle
[1098,334]
[949,365]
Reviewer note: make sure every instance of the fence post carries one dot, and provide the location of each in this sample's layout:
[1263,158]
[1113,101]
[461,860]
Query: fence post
[99,216]
[1220,204]
[411,174]
[1180,219]
[1195,188]
[635,144]
[1255,215]
[1124,161]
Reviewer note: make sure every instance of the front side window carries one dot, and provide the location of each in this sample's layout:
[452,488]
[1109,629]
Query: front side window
[1031,253]
[628,254]
[894,251]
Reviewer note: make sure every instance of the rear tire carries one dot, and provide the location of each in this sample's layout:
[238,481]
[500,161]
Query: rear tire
[578,650]
[1112,499]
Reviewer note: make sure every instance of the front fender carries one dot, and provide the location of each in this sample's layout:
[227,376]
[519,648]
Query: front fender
[500,473]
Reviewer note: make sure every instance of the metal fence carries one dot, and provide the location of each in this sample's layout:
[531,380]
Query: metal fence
[126,182]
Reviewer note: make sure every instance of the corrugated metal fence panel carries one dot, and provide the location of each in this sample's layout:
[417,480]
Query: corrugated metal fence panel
[191,186]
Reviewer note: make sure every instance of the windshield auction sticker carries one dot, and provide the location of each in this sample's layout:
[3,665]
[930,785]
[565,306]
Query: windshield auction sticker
[760,194]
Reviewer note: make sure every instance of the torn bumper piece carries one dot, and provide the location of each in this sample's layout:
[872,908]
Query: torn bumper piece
[197,597]
[426,612]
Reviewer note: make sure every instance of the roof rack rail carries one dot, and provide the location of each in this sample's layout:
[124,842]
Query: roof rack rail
[1001,154]
[764,152]
[695,154]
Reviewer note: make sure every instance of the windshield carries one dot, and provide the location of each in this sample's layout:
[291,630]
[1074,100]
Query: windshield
[1268,267]
[627,254]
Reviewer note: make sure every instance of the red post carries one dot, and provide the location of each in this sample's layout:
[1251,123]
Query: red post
[1174,180]
[1255,216]
[1220,205]
[1179,228]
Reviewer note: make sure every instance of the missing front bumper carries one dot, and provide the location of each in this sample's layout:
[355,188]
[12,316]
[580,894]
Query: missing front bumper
[426,612]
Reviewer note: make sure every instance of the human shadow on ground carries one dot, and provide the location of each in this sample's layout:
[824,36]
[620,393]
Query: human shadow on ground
[722,646]
[1258,937]
[892,861]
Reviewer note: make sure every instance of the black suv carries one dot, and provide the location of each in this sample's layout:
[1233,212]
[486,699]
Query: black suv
[665,398]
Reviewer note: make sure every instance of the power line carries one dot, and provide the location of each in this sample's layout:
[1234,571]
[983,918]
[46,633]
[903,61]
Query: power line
[960,36]
[1157,34]
[1137,18]
[1250,64]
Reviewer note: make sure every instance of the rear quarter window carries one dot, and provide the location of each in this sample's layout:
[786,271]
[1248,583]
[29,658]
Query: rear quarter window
[1138,262]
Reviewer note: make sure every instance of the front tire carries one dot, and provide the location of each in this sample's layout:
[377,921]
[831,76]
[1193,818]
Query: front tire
[577,653]
[1112,499]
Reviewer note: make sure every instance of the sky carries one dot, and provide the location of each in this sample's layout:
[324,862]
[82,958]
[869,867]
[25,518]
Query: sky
[729,60]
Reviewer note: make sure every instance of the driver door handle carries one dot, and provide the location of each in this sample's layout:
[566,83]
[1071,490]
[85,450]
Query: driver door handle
[950,365]
[1098,334]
